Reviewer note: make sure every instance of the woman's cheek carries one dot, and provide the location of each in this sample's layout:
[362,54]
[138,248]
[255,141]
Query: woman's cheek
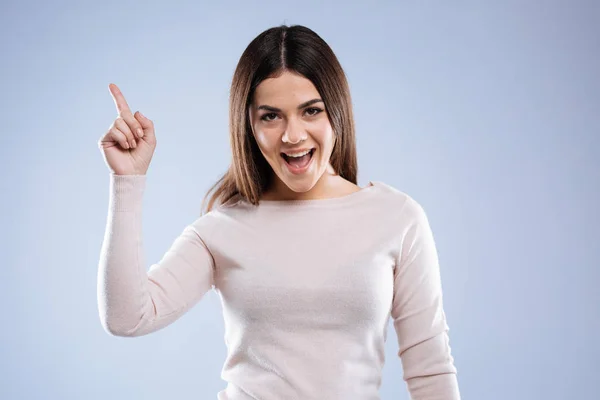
[266,142]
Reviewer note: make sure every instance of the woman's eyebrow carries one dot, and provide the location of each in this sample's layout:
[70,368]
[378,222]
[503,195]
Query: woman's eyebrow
[305,104]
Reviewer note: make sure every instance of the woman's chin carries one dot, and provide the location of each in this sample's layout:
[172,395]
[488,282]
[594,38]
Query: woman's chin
[300,184]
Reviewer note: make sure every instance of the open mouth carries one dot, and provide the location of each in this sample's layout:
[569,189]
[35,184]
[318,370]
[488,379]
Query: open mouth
[298,162]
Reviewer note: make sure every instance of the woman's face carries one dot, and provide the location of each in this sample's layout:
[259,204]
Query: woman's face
[288,117]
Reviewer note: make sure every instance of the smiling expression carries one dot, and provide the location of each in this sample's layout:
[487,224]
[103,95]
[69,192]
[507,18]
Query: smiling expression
[287,115]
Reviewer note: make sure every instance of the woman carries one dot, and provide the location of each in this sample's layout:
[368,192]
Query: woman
[308,265]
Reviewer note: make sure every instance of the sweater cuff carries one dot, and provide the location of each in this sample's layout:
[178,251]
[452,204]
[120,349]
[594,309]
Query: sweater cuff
[126,192]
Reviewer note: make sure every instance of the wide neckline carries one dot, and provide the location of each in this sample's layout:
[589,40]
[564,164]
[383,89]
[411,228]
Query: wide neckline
[320,202]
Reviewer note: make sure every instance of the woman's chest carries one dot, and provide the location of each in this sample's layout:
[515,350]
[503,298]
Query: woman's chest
[308,274]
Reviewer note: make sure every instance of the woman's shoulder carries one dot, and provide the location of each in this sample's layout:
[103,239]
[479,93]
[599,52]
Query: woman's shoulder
[398,199]
[388,191]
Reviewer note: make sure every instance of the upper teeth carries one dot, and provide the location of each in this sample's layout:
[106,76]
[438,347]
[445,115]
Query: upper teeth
[297,154]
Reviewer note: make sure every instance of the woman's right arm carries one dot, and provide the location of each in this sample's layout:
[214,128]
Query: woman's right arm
[131,300]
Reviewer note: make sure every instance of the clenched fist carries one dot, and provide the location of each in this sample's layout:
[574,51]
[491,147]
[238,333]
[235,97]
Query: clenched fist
[129,143]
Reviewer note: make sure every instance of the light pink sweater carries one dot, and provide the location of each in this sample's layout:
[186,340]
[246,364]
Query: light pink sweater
[307,289]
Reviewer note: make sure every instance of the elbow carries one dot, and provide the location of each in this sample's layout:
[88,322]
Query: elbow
[122,321]
[428,358]
[113,329]
[116,328]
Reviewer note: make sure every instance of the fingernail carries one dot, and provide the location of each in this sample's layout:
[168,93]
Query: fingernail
[140,133]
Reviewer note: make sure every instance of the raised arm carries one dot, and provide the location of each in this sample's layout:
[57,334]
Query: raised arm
[418,313]
[131,300]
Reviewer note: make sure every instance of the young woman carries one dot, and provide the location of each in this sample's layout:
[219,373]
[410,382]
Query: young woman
[308,265]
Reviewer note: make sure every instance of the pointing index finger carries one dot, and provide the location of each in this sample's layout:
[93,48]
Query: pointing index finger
[122,106]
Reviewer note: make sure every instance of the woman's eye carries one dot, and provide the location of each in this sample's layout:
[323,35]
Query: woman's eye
[265,117]
[313,111]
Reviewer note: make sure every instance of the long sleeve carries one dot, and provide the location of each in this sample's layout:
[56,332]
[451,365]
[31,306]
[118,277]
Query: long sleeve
[418,313]
[134,301]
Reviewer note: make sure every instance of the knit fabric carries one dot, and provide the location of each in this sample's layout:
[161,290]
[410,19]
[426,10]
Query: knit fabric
[307,288]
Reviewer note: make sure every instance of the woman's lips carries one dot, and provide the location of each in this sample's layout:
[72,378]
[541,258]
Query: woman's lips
[299,170]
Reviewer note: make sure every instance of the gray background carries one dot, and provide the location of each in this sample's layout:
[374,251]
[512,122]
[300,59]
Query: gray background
[487,113]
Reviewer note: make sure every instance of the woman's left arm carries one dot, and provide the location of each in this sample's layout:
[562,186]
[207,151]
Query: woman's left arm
[418,314]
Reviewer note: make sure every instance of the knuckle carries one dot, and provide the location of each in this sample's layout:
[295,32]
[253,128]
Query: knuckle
[119,134]
[124,127]
[131,123]
[115,133]
[118,123]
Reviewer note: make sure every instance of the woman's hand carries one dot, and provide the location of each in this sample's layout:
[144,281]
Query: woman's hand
[129,143]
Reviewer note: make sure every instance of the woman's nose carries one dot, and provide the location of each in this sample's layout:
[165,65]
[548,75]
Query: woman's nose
[293,134]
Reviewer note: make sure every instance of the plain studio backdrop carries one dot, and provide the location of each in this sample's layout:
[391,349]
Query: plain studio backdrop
[487,113]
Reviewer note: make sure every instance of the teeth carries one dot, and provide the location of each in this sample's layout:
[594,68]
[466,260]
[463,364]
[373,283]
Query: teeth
[298,154]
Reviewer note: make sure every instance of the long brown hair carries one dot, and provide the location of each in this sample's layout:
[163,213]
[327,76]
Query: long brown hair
[297,49]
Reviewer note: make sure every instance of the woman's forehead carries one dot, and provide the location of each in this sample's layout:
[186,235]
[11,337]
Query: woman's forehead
[287,88]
